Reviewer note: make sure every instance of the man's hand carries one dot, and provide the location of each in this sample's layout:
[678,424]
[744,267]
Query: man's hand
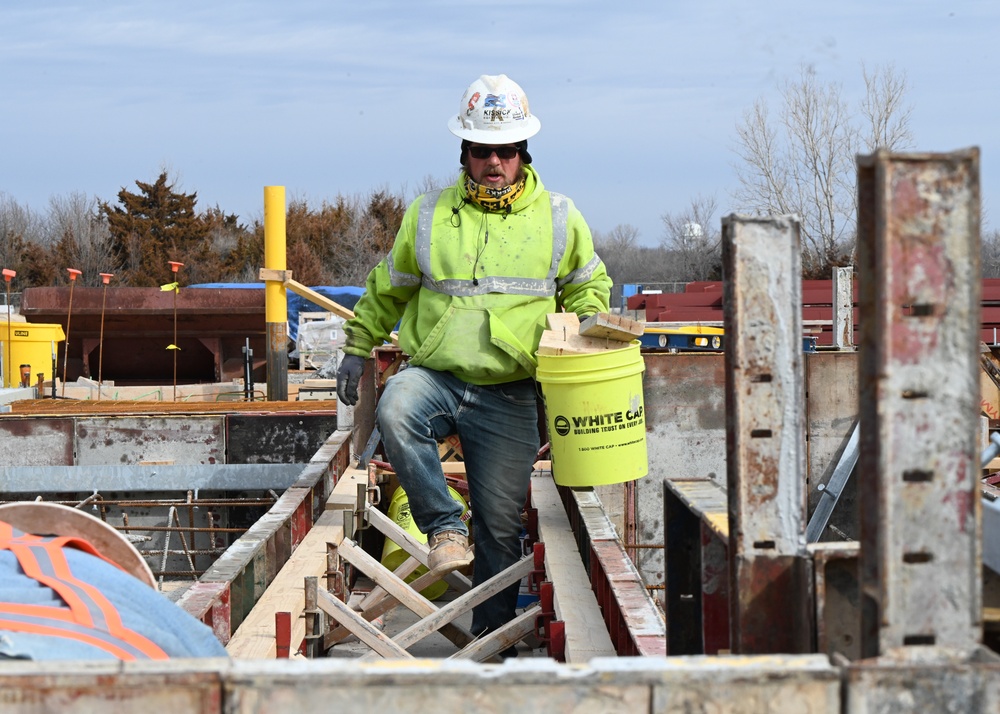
[348,377]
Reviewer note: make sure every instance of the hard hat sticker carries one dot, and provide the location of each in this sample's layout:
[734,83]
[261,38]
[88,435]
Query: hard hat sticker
[472,103]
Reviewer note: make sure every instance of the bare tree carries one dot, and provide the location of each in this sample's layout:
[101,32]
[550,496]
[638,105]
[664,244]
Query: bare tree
[79,237]
[694,241]
[804,162]
[883,108]
[19,226]
[618,248]
[990,249]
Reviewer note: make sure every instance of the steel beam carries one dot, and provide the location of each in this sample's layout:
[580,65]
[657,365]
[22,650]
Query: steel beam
[918,240]
[765,426]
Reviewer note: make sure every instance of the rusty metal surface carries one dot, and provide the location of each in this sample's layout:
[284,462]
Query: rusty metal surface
[278,439]
[176,440]
[919,263]
[924,679]
[211,328]
[276,353]
[765,422]
[838,598]
[35,442]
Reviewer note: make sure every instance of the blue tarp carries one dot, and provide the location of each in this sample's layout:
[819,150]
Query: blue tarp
[346,296]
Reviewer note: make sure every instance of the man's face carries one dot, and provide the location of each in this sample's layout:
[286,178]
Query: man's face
[487,168]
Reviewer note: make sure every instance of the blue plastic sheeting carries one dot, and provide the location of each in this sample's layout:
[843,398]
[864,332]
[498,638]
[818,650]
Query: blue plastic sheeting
[346,296]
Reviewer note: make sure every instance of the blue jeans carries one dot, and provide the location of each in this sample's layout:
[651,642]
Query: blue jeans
[498,428]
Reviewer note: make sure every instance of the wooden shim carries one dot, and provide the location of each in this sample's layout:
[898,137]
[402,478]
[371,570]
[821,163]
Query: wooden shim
[575,603]
[462,604]
[498,640]
[554,342]
[411,545]
[557,321]
[613,327]
[360,627]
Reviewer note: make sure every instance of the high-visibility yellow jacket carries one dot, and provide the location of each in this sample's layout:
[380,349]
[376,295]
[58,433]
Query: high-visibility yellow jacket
[473,287]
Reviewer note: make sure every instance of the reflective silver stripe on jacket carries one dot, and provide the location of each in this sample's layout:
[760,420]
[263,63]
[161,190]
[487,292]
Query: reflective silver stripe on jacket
[457,287]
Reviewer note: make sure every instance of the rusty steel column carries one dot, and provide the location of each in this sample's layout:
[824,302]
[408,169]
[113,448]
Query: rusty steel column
[918,242]
[771,594]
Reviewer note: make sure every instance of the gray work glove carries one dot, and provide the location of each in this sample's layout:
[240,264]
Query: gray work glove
[348,377]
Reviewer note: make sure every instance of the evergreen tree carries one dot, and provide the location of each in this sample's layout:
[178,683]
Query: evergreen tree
[152,227]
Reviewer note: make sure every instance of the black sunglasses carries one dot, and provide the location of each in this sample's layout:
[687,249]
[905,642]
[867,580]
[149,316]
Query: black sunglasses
[502,152]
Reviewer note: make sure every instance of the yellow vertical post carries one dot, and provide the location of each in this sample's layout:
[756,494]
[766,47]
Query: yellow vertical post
[275,301]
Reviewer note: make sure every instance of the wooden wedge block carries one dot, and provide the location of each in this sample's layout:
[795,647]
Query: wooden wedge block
[558,321]
[557,343]
[612,327]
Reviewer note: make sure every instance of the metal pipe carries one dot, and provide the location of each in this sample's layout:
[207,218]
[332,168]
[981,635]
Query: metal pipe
[73,272]
[8,274]
[105,278]
[275,300]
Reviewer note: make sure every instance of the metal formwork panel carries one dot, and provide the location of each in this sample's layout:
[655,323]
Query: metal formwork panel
[765,427]
[180,440]
[34,441]
[843,308]
[277,438]
[918,239]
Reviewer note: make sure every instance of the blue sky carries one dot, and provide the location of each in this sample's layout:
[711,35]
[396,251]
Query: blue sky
[638,100]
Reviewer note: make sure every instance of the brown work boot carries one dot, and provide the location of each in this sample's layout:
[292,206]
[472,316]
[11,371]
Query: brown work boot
[449,551]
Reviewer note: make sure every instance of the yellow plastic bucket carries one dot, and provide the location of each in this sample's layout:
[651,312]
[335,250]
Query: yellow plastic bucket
[393,556]
[28,343]
[594,411]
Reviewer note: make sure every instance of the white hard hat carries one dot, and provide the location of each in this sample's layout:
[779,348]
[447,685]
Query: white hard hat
[494,110]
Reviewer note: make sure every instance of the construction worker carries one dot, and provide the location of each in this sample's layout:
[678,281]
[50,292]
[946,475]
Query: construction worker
[473,272]
[72,588]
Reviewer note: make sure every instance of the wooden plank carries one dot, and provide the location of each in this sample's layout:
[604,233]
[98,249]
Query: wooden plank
[377,594]
[462,604]
[498,640]
[254,639]
[345,494]
[360,627]
[380,605]
[411,545]
[398,589]
[575,603]
[385,579]
[612,327]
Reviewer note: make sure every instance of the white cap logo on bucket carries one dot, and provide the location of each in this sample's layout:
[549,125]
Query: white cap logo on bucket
[561,424]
